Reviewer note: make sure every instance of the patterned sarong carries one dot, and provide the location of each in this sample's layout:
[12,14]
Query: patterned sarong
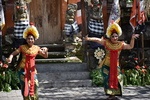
[96,27]
[71,28]
[19,27]
[109,91]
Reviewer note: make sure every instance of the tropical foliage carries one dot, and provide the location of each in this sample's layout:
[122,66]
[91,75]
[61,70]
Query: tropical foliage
[139,76]
[8,79]
[134,72]
[96,77]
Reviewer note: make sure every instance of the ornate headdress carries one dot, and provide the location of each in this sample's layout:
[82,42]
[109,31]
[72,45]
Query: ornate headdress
[31,29]
[113,28]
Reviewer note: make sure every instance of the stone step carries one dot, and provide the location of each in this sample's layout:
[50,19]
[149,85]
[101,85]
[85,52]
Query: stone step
[53,76]
[63,74]
[54,47]
[56,60]
[66,83]
[61,54]
[61,67]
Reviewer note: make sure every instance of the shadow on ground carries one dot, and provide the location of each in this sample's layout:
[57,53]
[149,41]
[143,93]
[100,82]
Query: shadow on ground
[92,93]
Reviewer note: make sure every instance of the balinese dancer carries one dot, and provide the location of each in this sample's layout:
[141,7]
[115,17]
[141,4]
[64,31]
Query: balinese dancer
[113,81]
[95,21]
[27,71]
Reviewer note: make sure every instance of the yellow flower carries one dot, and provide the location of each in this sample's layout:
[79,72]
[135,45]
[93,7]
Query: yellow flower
[31,30]
[114,27]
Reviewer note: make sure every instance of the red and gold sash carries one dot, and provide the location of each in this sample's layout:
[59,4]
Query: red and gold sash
[113,53]
[29,74]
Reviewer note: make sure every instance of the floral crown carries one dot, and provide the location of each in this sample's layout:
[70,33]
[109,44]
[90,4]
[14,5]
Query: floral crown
[113,28]
[31,29]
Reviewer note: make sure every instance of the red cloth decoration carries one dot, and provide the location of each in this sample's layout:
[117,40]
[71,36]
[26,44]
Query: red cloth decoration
[29,74]
[113,80]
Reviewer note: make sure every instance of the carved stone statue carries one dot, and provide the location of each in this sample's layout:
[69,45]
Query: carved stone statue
[21,21]
[95,22]
[71,27]
[70,13]
[20,10]
[96,10]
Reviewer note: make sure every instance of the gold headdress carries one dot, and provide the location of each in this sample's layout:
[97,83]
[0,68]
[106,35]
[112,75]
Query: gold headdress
[31,29]
[113,27]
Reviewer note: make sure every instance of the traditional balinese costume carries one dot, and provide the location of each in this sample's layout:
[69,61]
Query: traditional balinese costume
[27,71]
[113,81]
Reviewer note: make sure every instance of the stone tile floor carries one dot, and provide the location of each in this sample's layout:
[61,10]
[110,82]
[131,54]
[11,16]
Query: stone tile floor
[81,93]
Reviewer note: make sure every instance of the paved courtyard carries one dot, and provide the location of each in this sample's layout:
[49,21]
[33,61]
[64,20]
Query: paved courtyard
[80,93]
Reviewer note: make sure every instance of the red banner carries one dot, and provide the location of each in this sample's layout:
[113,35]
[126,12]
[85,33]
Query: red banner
[137,14]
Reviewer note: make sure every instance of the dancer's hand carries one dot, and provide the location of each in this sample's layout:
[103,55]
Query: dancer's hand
[44,49]
[86,38]
[9,60]
[135,36]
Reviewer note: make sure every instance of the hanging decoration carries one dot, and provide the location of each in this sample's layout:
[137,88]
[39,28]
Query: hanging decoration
[115,12]
[99,54]
[137,16]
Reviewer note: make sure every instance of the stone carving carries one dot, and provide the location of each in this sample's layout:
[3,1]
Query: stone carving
[21,12]
[95,22]
[71,27]
[96,10]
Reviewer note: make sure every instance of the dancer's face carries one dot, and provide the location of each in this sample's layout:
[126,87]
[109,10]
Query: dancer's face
[30,40]
[114,38]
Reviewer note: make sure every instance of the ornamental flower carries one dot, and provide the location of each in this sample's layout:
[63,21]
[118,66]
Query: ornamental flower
[136,59]
[113,27]
[5,66]
[144,71]
[31,29]
[137,67]
[99,54]
[145,67]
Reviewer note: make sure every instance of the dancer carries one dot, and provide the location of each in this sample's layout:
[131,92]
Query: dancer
[27,71]
[113,81]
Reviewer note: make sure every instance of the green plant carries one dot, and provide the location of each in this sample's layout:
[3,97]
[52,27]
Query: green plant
[8,80]
[8,76]
[96,76]
[133,70]
[140,76]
